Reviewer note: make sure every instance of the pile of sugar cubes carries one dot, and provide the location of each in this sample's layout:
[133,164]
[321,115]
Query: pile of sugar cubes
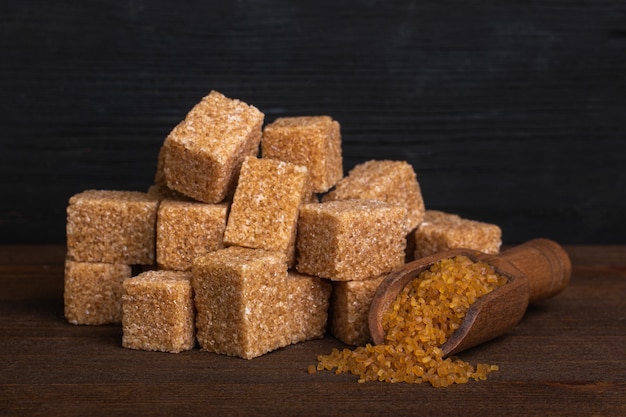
[251,238]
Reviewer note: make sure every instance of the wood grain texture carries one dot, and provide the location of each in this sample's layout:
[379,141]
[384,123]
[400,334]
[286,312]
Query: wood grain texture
[565,358]
[512,113]
[536,270]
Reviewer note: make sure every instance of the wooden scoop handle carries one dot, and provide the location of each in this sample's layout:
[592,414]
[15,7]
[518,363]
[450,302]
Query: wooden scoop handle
[546,265]
[536,270]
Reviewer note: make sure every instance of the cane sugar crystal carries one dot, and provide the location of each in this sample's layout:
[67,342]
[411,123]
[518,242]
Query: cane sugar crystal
[441,231]
[350,305]
[311,141]
[246,306]
[158,312]
[186,230]
[93,292]
[308,299]
[264,212]
[393,182]
[350,239]
[421,318]
[204,152]
[112,227]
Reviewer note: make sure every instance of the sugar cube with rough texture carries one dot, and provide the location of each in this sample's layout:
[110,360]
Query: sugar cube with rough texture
[248,305]
[158,312]
[204,152]
[441,231]
[393,182]
[186,230]
[112,227]
[311,141]
[308,300]
[264,212]
[160,189]
[93,292]
[350,239]
[350,306]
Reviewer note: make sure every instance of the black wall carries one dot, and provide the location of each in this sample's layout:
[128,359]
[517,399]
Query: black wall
[510,112]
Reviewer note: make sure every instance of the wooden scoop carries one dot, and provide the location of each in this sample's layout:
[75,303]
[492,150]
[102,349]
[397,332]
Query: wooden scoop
[536,270]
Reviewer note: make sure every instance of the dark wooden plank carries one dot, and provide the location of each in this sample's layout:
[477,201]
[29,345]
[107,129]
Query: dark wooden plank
[511,112]
[563,359]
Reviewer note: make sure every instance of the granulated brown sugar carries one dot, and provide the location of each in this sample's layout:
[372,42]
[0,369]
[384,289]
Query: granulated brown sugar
[423,316]
[442,231]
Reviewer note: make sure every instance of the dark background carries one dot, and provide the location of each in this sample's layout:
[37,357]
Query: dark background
[510,112]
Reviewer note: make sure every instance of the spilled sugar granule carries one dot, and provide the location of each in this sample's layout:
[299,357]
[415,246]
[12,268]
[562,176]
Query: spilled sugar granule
[427,311]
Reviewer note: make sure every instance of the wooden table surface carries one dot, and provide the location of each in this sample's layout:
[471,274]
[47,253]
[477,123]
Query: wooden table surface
[566,358]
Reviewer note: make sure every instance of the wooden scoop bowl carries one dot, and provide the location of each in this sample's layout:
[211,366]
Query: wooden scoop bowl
[536,270]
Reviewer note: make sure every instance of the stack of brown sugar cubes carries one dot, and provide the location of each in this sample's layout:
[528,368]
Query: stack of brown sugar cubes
[243,253]
[107,232]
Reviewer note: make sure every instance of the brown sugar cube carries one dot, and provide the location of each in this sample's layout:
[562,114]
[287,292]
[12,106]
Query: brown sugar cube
[350,305]
[112,227]
[186,230]
[160,189]
[158,312]
[308,300]
[246,305]
[204,152]
[441,231]
[93,292]
[264,212]
[350,239]
[311,141]
[393,182]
